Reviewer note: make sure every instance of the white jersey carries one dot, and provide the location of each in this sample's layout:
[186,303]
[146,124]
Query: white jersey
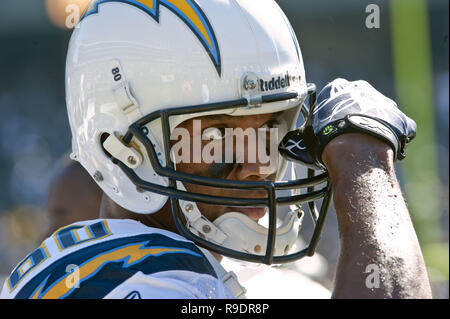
[115,258]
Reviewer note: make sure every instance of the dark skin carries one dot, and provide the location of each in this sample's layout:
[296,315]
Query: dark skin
[73,196]
[374,223]
[243,171]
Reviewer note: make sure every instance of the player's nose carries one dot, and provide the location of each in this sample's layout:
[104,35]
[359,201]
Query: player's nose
[254,172]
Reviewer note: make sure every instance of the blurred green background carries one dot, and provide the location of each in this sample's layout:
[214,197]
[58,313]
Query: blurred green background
[399,46]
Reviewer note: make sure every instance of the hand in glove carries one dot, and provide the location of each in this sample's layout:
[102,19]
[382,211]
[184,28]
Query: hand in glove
[348,107]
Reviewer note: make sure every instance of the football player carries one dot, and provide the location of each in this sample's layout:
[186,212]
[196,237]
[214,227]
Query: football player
[73,196]
[175,108]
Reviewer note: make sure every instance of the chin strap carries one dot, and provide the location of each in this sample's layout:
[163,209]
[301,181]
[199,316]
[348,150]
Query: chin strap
[246,235]
[239,232]
[229,278]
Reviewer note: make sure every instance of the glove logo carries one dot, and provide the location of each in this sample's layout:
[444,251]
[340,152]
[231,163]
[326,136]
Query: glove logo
[294,145]
[187,10]
[328,129]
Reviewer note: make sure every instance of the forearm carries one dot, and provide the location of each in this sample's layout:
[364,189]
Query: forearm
[376,233]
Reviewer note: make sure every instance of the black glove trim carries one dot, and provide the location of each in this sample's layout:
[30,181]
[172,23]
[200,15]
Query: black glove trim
[358,123]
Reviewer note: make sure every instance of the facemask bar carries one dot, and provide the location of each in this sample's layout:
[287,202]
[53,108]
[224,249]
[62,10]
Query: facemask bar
[270,201]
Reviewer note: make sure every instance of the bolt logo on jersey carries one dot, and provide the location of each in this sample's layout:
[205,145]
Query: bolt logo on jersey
[127,255]
[124,250]
[187,10]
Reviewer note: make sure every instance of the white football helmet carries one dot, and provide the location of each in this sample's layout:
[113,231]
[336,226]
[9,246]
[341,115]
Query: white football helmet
[136,69]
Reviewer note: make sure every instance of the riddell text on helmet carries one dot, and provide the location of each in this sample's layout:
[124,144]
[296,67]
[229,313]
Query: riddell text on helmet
[275,83]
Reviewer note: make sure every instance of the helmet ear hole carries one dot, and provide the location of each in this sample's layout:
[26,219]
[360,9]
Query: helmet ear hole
[103,138]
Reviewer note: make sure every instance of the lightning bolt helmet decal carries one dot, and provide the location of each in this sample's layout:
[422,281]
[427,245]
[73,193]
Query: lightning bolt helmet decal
[187,10]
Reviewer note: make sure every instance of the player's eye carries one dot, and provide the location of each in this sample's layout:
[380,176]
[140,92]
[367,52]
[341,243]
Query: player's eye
[214,133]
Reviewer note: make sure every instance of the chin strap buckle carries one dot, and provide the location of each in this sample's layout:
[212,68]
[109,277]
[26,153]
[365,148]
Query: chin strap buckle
[198,223]
[127,155]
